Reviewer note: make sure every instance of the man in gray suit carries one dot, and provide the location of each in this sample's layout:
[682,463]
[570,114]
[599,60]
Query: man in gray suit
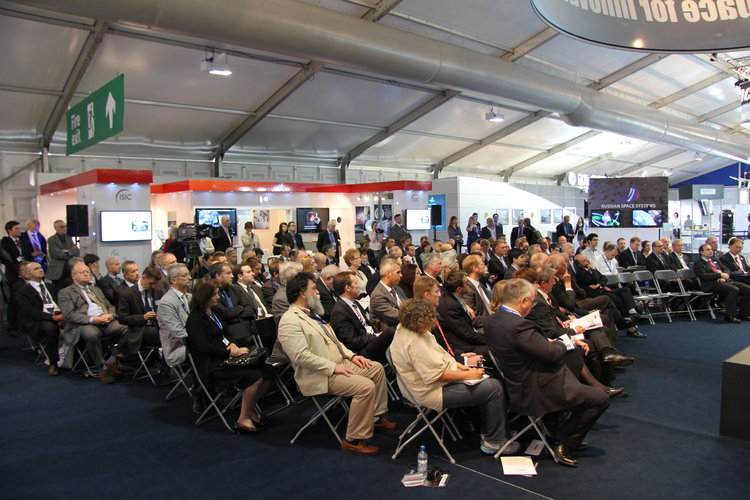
[387,296]
[174,307]
[61,249]
[89,315]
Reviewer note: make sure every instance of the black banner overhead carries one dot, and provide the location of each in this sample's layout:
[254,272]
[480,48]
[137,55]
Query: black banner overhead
[652,25]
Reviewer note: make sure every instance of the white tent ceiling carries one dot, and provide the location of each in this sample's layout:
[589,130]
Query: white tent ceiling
[173,110]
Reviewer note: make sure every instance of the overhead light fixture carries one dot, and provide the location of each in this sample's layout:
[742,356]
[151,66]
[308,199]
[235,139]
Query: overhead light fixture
[216,64]
[491,116]
[698,156]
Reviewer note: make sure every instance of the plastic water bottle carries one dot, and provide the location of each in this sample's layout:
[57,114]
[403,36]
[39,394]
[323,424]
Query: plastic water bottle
[422,460]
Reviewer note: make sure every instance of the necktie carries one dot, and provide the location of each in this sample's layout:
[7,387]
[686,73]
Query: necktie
[328,334]
[333,241]
[713,266]
[35,243]
[739,262]
[45,295]
[258,302]
[92,297]
[18,244]
[185,302]
[227,298]
[360,317]
[447,345]
[395,297]
[147,301]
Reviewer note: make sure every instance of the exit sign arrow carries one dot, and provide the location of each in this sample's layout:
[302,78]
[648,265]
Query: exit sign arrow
[111,108]
[97,117]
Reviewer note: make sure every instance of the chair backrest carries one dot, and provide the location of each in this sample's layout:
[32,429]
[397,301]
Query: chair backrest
[633,269]
[401,384]
[625,278]
[663,275]
[612,279]
[643,276]
[686,274]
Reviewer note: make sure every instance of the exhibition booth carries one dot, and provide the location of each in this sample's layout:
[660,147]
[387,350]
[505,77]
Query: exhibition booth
[128,213]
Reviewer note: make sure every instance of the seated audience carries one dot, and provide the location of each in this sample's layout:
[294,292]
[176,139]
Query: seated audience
[353,325]
[387,296]
[715,278]
[323,365]
[211,349]
[436,379]
[272,285]
[112,279]
[137,309]
[325,289]
[456,319]
[91,317]
[537,380]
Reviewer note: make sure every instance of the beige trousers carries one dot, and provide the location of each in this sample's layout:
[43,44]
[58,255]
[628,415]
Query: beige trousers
[369,397]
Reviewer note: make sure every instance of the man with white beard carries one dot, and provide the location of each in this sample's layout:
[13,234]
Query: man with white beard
[323,365]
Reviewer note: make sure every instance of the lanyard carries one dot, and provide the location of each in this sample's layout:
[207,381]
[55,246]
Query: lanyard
[213,318]
[512,311]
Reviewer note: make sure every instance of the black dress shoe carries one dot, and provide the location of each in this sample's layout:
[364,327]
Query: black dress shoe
[563,455]
[617,359]
[732,319]
[583,446]
[633,332]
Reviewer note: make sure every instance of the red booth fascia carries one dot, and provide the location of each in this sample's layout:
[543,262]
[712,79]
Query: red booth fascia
[98,176]
[287,187]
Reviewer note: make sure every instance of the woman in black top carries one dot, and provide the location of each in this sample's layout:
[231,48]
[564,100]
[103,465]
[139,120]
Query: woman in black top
[210,347]
[280,239]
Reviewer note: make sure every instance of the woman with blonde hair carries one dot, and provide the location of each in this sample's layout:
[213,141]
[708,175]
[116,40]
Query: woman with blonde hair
[353,260]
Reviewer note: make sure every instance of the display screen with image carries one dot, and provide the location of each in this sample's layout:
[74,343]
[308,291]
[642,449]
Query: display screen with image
[638,199]
[125,225]
[647,218]
[212,217]
[606,218]
[417,219]
[312,220]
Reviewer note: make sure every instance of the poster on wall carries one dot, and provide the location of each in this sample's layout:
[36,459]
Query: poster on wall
[502,216]
[517,214]
[557,216]
[545,215]
[261,219]
[361,215]
[384,216]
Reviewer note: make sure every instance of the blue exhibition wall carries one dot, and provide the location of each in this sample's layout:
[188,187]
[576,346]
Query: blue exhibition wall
[720,176]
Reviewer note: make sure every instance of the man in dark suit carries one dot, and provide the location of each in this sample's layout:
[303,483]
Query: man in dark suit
[272,285]
[477,295]
[112,279]
[735,262]
[715,278]
[37,244]
[352,324]
[397,230]
[455,318]
[330,237]
[39,314]
[137,309]
[491,230]
[233,307]
[324,284]
[15,248]
[517,232]
[247,292]
[498,261]
[537,381]
[658,260]
[565,228]
[294,238]
[679,260]
[632,256]
[224,238]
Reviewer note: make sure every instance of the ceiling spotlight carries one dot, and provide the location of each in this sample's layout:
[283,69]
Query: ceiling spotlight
[698,156]
[216,64]
[491,116]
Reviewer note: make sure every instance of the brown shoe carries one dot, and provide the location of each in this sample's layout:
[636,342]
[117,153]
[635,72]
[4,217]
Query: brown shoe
[385,425]
[359,448]
[113,368]
[106,376]
[52,370]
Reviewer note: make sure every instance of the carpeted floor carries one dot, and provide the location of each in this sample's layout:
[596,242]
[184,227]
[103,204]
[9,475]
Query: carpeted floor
[70,437]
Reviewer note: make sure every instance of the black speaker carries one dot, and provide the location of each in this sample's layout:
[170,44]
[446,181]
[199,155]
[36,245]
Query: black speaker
[77,218]
[436,215]
[727,226]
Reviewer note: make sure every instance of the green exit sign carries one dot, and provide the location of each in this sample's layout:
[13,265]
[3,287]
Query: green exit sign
[97,117]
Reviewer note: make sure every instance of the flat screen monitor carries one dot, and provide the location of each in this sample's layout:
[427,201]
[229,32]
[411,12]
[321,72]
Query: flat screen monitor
[312,220]
[212,217]
[647,218]
[417,219]
[124,225]
[606,218]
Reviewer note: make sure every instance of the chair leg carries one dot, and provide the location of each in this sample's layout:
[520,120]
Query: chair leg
[321,413]
[428,424]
